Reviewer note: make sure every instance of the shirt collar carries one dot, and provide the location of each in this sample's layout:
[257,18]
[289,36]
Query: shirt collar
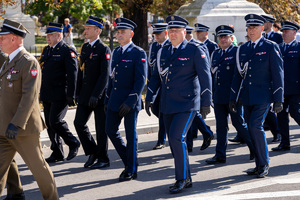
[92,43]
[14,53]
[290,42]
[268,34]
[164,42]
[257,41]
[126,46]
[176,46]
[55,45]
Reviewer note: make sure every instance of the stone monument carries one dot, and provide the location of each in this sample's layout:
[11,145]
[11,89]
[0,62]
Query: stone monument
[13,12]
[218,12]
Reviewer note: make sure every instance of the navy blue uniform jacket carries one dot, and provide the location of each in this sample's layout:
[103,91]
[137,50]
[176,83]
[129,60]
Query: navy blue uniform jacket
[59,72]
[291,58]
[222,67]
[127,79]
[185,79]
[264,78]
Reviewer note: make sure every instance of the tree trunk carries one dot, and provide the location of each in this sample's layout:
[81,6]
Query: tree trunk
[139,17]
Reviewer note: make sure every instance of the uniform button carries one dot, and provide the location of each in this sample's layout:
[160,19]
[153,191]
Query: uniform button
[250,75]
[170,72]
[219,84]
[168,79]
[182,64]
[116,80]
[115,88]
[189,95]
[0,79]
[116,72]
[167,88]
[249,67]
[117,65]
[218,77]
[249,60]
[250,83]
[170,65]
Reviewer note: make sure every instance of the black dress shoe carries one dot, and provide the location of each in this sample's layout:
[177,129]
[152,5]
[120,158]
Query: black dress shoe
[53,159]
[180,185]
[126,176]
[99,165]
[252,171]
[276,138]
[158,146]
[215,160]
[73,152]
[206,142]
[262,171]
[90,161]
[237,139]
[282,147]
[20,196]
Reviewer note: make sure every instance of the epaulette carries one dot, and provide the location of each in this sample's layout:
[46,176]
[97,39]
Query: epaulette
[194,43]
[27,57]
[139,48]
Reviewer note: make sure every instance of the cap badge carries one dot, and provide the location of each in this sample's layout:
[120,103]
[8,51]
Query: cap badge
[172,18]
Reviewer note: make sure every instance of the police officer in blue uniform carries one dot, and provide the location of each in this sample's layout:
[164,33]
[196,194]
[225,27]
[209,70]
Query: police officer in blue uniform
[161,37]
[202,35]
[59,76]
[93,77]
[257,82]
[222,67]
[268,30]
[290,50]
[198,122]
[124,96]
[271,119]
[185,81]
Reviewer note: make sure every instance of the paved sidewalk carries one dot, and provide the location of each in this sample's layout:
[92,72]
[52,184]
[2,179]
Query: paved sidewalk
[145,124]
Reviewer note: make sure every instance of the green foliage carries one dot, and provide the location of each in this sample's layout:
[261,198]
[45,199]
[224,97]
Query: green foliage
[281,9]
[48,10]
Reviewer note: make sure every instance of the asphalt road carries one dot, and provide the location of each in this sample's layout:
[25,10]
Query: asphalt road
[156,174]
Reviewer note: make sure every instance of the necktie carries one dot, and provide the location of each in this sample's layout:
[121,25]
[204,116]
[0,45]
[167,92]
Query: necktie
[174,50]
[252,45]
[286,46]
[159,46]
[223,52]
[50,50]
[121,51]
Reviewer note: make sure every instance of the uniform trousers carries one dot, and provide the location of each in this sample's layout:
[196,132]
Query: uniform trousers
[255,116]
[198,124]
[29,148]
[291,105]
[272,122]
[83,114]
[156,111]
[177,126]
[54,113]
[222,112]
[127,152]
[13,183]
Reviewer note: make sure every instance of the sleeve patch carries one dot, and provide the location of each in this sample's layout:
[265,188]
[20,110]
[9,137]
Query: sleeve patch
[34,72]
[72,54]
[107,56]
